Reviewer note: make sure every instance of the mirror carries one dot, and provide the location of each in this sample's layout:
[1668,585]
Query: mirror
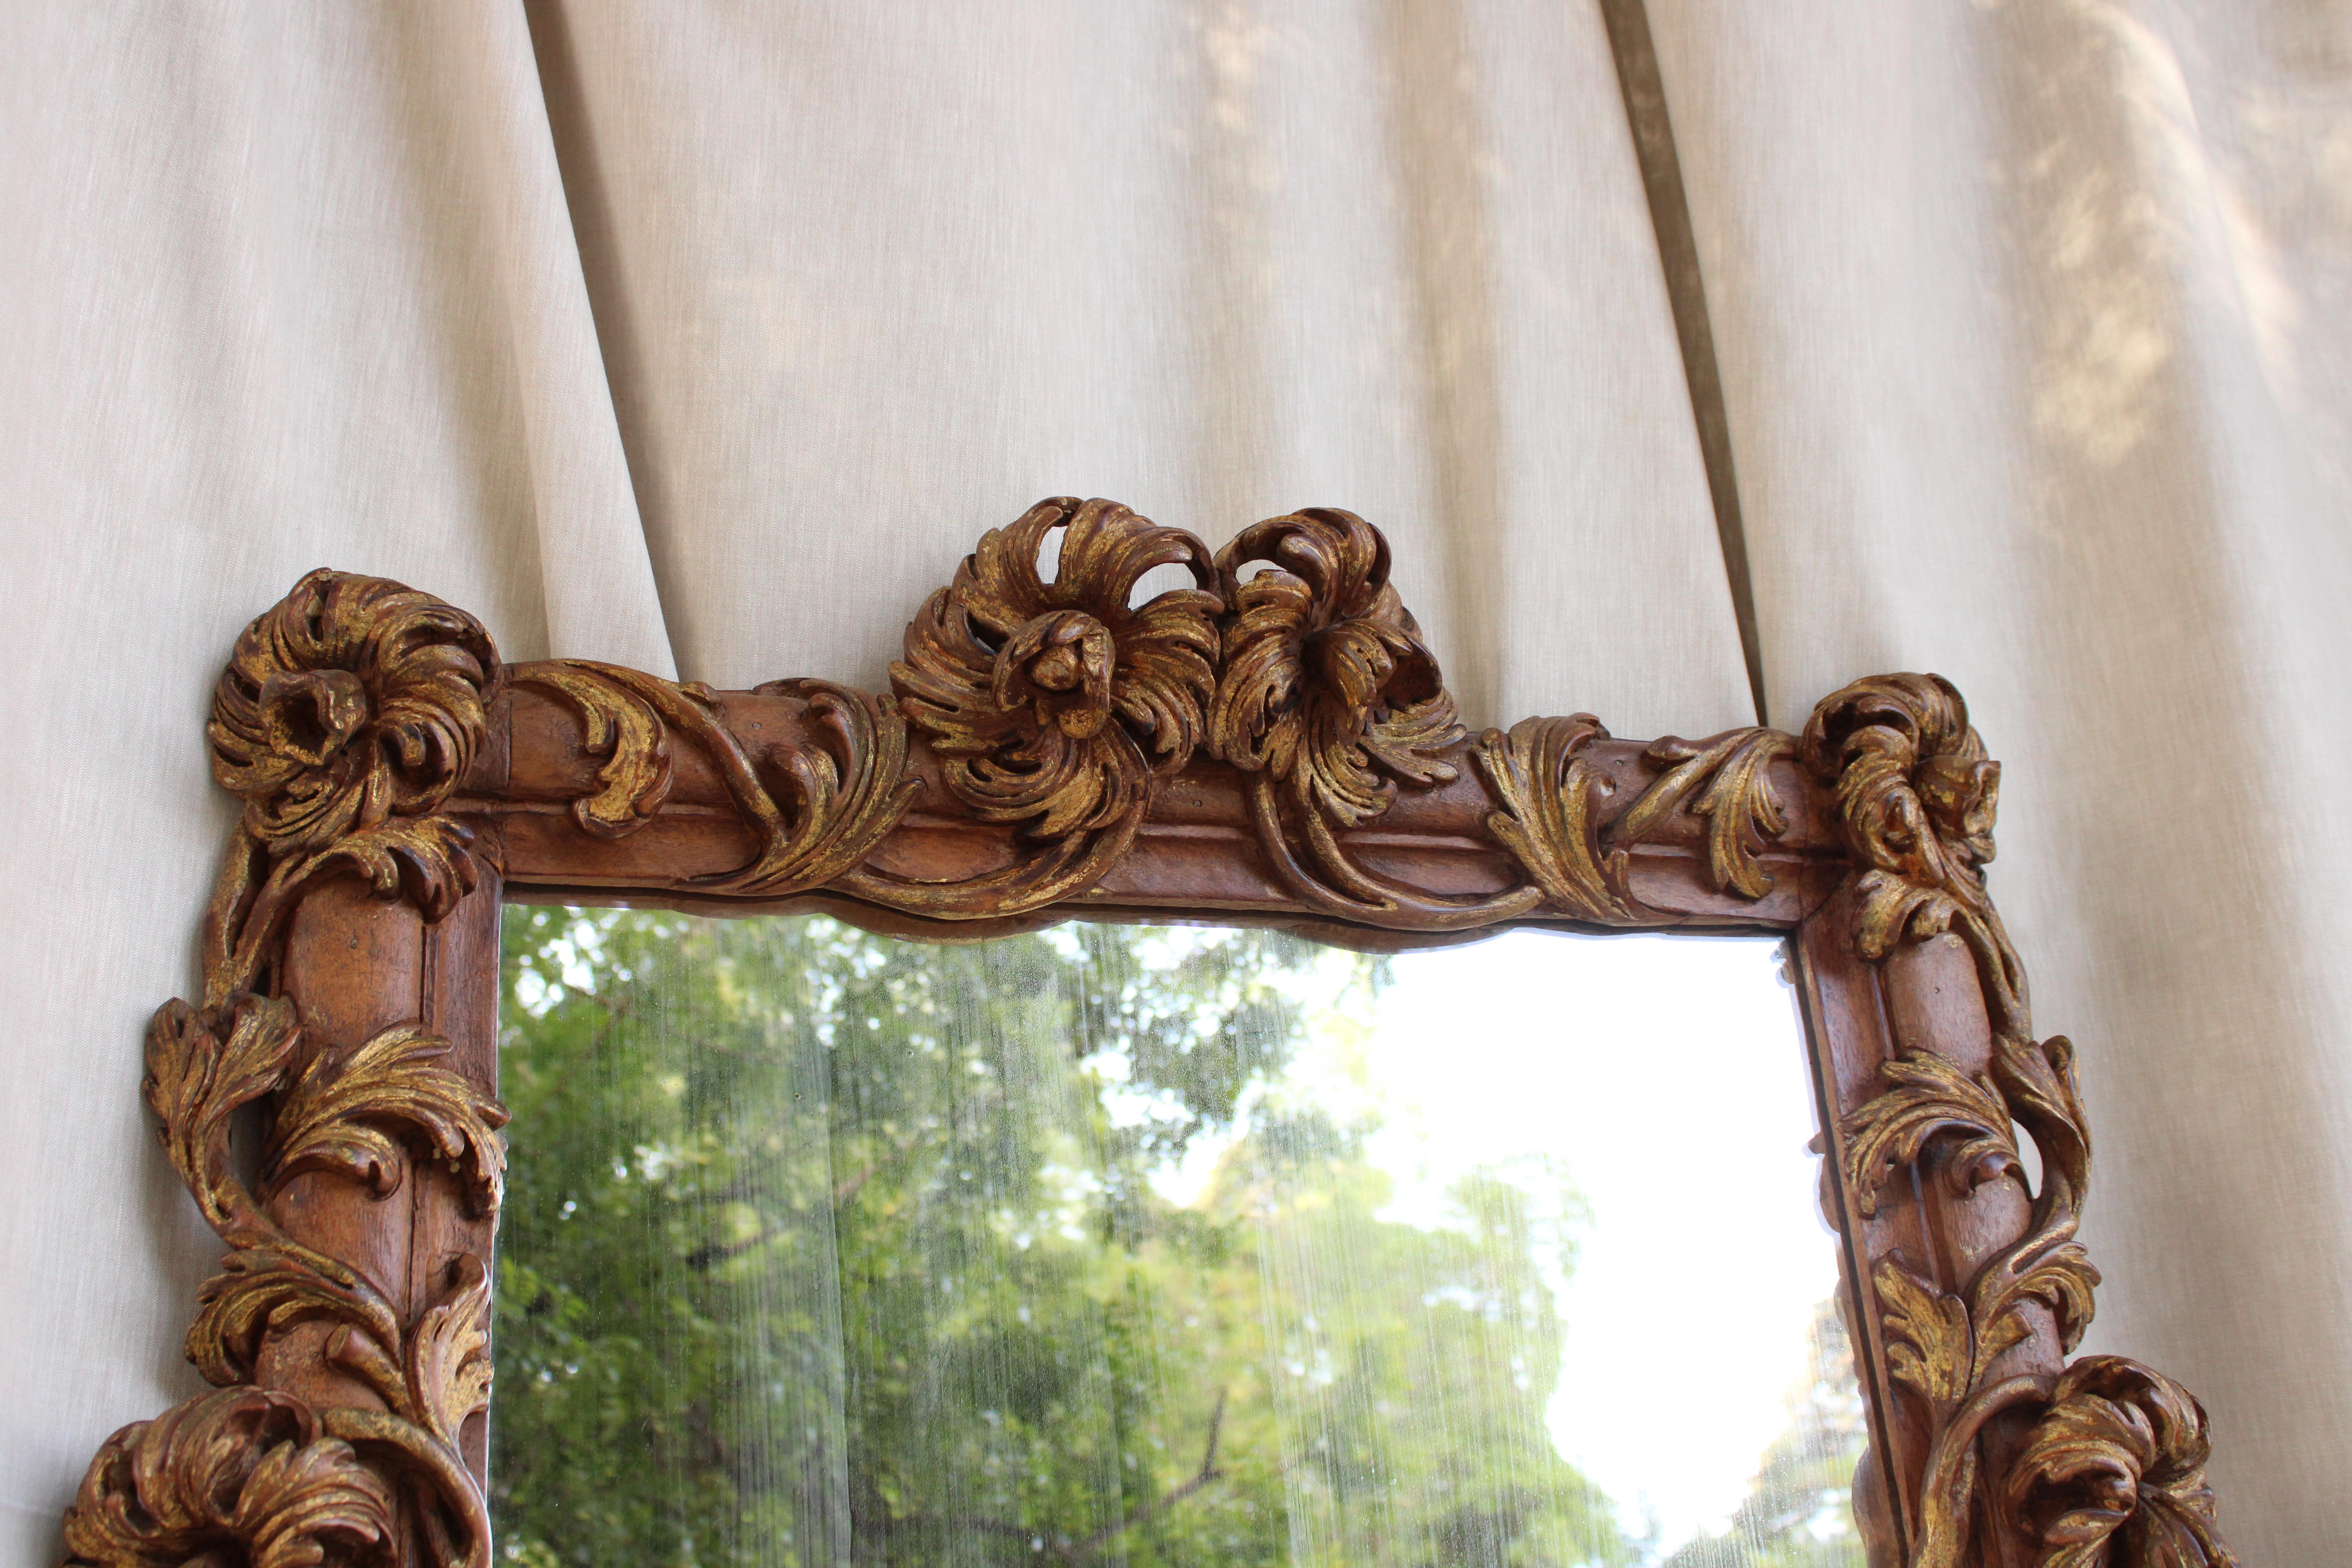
[1146,1246]
[1164,1244]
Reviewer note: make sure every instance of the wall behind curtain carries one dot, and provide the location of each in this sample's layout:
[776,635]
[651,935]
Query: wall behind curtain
[626,335]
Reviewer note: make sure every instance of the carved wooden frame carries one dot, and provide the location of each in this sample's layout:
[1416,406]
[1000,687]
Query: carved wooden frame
[1272,744]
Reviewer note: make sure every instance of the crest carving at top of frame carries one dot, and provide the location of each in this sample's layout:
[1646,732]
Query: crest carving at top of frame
[1057,705]
[1054,705]
[1057,710]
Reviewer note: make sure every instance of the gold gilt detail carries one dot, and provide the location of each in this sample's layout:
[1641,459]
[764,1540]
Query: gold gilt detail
[1055,708]
[1548,801]
[1054,705]
[347,714]
[1330,700]
[816,810]
[2112,1470]
[239,1475]
[261,1476]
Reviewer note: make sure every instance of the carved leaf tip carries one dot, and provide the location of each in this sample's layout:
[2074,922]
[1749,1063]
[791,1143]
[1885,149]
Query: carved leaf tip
[269,1286]
[201,1070]
[349,1115]
[1545,796]
[1929,1343]
[816,807]
[1927,1098]
[1742,810]
[449,1367]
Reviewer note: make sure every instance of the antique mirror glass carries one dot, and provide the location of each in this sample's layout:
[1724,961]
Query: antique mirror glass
[1158,1244]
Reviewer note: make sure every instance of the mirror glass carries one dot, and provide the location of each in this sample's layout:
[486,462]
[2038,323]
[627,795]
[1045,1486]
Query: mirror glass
[1169,1245]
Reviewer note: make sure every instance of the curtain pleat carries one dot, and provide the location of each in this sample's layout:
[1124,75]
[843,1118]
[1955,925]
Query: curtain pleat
[2032,321]
[874,277]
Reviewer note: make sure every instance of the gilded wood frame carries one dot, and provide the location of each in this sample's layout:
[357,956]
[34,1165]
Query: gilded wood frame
[1274,742]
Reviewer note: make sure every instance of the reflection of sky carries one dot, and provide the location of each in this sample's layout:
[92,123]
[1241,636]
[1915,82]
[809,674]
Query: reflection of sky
[1667,1075]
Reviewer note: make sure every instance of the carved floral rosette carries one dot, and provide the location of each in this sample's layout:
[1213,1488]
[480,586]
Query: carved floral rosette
[1053,708]
[1054,704]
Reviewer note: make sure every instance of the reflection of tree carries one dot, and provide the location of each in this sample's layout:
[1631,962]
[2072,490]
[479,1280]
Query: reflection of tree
[1800,1511]
[824,1248]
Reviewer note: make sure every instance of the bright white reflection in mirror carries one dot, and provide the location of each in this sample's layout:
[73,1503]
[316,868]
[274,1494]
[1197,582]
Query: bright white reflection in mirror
[1156,1244]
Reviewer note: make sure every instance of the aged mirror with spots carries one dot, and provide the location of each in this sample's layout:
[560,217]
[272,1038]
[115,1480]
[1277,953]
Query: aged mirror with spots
[1160,1244]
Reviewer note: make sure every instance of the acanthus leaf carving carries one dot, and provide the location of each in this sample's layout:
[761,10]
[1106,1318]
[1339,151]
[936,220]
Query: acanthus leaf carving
[2113,1471]
[270,1286]
[356,1117]
[816,810]
[2111,1466]
[1929,1346]
[200,1072]
[199,1075]
[1057,708]
[234,1476]
[1547,797]
[348,715]
[1550,798]
[441,1380]
[1742,809]
[1927,1098]
[348,1113]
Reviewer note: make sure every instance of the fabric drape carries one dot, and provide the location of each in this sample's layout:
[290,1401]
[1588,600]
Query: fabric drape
[708,343]
[874,277]
[2033,334]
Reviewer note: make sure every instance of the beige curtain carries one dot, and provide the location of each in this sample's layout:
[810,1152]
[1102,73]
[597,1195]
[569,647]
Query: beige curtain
[2036,330]
[709,339]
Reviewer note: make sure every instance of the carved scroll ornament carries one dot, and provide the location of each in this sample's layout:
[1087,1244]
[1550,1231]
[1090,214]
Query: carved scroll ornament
[1056,708]
[345,719]
[1331,703]
[2112,1468]
[1051,710]
[346,716]
[816,812]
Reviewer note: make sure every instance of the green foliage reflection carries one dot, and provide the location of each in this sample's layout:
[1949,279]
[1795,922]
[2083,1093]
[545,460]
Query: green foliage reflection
[823,1247]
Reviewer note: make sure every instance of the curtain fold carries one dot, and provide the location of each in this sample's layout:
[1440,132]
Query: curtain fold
[283,290]
[2032,330]
[712,343]
[596,584]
